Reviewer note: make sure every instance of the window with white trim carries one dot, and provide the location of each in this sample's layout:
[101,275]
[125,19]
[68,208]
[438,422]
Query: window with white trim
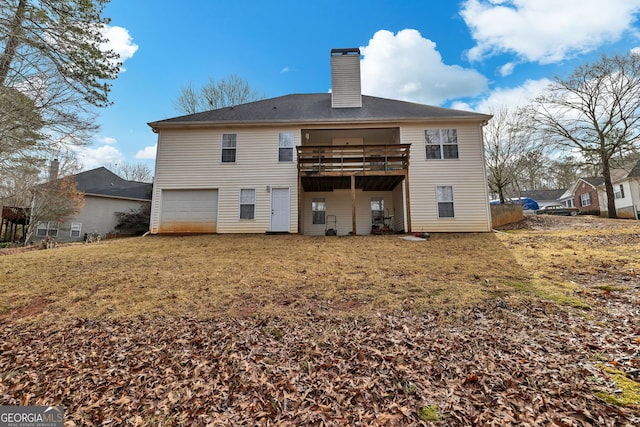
[47,228]
[618,192]
[585,199]
[318,211]
[76,228]
[248,203]
[285,147]
[229,146]
[441,143]
[444,195]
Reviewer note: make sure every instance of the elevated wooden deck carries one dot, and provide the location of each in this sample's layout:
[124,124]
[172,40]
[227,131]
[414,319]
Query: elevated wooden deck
[352,160]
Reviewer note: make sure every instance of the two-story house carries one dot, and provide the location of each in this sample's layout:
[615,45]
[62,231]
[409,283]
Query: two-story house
[626,191]
[306,163]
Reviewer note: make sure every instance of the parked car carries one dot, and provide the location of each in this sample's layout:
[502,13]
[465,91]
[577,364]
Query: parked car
[557,210]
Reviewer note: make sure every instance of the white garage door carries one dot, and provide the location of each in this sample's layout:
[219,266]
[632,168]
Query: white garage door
[189,211]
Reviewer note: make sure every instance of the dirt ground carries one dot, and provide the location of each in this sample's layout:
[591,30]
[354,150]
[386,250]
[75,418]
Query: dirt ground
[503,360]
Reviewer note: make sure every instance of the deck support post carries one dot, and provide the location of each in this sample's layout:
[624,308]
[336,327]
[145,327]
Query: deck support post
[300,202]
[353,205]
[408,202]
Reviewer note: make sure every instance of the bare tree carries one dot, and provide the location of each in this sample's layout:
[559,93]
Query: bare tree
[506,144]
[596,110]
[132,171]
[52,53]
[53,201]
[216,94]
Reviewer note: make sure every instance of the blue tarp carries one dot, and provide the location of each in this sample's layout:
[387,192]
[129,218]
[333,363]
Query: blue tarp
[526,202]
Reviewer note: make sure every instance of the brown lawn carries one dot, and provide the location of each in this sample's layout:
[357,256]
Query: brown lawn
[533,325]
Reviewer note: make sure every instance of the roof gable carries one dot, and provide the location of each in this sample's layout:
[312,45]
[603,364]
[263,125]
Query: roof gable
[316,108]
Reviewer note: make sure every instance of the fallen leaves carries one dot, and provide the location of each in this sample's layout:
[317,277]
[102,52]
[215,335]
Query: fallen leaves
[515,365]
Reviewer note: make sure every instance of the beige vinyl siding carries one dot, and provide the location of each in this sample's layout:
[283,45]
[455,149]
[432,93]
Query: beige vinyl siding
[466,175]
[192,159]
[338,203]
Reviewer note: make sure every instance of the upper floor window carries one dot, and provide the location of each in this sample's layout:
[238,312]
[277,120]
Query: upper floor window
[441,143]
[585,199]
[248,203]
[444,195]
[285,147]
[618,192]
[229,147]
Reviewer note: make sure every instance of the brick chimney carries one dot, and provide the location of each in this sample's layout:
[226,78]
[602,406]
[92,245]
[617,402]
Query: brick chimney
[54,168]
[345,78]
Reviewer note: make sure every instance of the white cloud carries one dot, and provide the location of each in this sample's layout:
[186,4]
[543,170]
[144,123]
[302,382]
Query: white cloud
[407,66]
[507,69]
[285,70]
[546,31]
[635,51]
[119,41]
[108,140]
[92,158]
[507,97]
[148,153]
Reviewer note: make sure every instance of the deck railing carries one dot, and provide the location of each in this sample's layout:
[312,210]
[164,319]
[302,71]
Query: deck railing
[390,159]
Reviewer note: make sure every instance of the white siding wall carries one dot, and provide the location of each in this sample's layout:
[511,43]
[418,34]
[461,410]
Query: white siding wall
[339,204]
[191,158]
[466,175]
[97,216]
[630,203]
[625,201]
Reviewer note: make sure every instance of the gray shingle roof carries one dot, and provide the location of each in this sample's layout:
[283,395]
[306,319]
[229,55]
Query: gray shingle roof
[314,108]
[594,180]
[539,195]
[103,182]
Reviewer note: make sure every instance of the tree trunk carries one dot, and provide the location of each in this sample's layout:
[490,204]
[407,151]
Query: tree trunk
[611,201]
[13,41]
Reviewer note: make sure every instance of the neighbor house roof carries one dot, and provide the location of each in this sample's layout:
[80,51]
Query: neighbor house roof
[594,181]
[316,108]
[540,195]
[103,182]
[631,170]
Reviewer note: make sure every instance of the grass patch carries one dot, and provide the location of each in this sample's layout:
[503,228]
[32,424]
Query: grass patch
[258,275]
[429,413]
[289,275]
[629,389]
[610,288]
[562,294]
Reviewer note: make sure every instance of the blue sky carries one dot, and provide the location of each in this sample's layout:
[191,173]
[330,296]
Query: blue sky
[468,54]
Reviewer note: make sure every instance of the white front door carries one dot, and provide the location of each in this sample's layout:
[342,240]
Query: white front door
[280,209]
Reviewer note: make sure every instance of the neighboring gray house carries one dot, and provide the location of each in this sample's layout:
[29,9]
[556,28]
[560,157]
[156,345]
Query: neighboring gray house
[626,190]
[305,163]
[105,193]
[545,197]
